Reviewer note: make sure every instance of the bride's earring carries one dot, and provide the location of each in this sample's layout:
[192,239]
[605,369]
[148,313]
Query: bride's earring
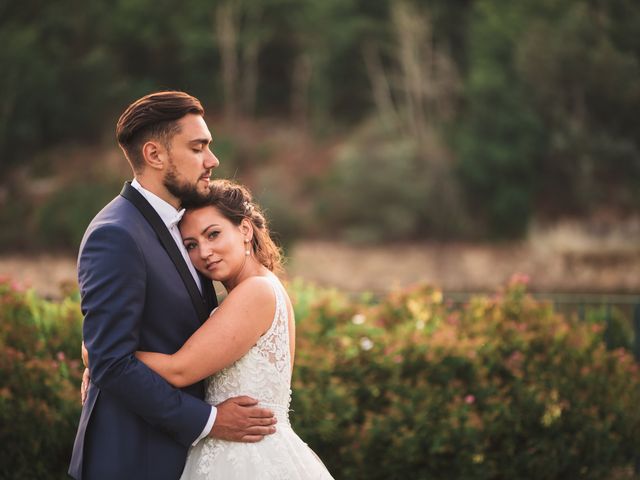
[247,252]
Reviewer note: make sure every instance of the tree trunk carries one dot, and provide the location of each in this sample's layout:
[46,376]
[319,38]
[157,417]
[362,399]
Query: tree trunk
[226,31]
[300,91]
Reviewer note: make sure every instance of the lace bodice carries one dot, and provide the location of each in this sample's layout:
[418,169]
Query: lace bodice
[264,372]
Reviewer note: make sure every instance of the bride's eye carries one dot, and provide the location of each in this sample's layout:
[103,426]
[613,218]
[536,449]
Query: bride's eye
[213,234]
[190,246]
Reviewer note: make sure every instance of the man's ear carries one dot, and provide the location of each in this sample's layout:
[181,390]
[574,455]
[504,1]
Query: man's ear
[153,155]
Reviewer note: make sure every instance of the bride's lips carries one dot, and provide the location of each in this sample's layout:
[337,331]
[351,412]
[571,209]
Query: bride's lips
[212,265]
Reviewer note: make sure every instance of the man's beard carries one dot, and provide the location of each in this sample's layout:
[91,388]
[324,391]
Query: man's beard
[182,190]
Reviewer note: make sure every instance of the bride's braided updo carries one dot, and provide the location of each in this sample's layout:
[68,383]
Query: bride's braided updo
[235,202]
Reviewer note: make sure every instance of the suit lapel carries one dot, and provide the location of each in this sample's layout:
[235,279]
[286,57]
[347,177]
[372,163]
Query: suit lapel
[203,305]
[208,292]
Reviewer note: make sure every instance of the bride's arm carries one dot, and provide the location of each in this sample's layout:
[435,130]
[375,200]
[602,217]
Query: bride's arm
[227,335]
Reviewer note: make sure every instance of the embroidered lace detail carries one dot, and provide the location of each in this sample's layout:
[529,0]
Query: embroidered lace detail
[264,372]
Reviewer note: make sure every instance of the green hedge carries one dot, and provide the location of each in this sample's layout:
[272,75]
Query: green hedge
[404,387]
[501,388]
[40,376]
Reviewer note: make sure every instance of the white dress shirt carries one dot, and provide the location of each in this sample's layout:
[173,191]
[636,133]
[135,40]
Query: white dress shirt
[170,217]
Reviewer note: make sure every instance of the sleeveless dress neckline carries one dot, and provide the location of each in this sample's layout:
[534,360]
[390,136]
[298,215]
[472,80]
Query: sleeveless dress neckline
[264,372]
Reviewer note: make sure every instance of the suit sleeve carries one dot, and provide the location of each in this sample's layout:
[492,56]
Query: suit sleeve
[112,277]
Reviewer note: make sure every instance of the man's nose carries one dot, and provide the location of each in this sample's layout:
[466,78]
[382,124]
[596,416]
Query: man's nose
[211,161]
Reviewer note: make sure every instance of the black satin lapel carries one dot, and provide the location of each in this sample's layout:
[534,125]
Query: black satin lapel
[169,244]
[208,292]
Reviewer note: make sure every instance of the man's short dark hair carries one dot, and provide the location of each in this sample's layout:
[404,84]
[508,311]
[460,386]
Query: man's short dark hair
[154,116]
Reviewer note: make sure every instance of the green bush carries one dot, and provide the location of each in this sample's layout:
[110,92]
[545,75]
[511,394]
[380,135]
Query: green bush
[405,387]
[501,388]
[39,383]
[62,221]
[382,189]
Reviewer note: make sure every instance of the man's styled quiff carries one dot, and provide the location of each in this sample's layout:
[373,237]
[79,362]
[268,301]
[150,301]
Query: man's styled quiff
[153,117]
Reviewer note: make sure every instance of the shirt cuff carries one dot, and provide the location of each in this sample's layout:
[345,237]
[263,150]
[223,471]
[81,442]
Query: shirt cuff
[208,426]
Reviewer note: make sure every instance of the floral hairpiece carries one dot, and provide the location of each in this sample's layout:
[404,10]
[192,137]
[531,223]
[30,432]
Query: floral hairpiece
[248,208]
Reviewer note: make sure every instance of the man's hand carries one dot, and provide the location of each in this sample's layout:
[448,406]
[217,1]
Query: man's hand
[239,419]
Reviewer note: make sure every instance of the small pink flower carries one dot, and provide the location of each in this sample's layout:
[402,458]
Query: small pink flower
[516,356]
[469,399]
[60,356]
[453,320]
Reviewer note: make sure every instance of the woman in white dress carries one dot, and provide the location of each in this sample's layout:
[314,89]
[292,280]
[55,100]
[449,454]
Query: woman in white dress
[247,345]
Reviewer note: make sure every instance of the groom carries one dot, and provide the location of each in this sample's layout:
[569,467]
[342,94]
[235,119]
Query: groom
[140,292]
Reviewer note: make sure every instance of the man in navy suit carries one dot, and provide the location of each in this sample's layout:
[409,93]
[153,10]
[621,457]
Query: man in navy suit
[140,292]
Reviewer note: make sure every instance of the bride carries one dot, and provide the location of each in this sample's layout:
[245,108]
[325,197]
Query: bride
[247,345]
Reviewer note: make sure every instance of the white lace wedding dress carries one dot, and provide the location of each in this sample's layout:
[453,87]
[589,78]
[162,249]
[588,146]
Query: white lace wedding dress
[264,372]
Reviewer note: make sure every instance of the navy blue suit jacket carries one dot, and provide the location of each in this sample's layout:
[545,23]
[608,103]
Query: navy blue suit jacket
[137,294]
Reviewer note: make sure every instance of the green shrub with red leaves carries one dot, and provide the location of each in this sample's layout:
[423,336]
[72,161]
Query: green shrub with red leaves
[503,387]
[403,387]
[40,374]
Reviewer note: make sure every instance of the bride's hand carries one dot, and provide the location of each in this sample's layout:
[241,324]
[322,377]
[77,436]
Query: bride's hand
[86,376]
[85,355]
[84,386]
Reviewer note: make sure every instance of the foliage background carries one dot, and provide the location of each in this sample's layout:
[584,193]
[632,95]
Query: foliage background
[368,121]
[409,386]
[452,119]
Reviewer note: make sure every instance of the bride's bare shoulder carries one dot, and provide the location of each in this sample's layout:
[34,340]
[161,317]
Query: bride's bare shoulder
[259,285]
[254,293]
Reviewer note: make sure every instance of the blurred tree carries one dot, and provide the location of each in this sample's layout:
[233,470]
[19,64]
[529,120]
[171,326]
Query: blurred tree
[330,75]
[531,103]
[500,139]
[409,191]
[239,68]
[548,126]
[57,79]
[584,83]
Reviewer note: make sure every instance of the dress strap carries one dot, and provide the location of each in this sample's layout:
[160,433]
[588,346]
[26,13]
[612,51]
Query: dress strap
[278,333]
[281,313]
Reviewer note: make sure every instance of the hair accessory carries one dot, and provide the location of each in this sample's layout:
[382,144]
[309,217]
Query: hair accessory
[248,207]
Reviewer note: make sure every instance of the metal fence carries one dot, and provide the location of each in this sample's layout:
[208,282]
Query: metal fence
[609,307]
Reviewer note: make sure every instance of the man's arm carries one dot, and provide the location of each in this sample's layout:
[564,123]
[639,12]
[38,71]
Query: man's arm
[112,278]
